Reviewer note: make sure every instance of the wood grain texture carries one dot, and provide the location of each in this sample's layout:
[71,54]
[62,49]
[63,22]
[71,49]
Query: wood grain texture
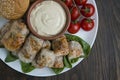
[104,60]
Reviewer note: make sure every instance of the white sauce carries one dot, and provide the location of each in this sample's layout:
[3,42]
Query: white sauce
[48,18]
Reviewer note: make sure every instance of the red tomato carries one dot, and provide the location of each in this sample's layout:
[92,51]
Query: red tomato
[74,28]
[87,10]
[68,3]
[80,2]
[75,13]
[87,24]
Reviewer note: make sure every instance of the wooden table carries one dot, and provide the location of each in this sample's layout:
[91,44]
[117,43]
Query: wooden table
[104,60]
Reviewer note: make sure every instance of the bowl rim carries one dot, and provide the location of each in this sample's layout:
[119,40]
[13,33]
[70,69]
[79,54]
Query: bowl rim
[68,20]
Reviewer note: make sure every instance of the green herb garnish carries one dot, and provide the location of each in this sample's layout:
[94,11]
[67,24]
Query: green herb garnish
[10,57]
[57,70]
[67,62]
[27,67]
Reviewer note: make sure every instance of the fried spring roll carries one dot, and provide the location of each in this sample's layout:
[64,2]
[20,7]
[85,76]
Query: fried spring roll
[45,58]
[75,50]
[15,37]
[29,50]
[60,46]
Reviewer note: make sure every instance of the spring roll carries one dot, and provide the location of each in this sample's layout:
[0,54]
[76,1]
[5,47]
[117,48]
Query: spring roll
[75,50]
[15,37]
[46,58]
[60,46]
[29,50]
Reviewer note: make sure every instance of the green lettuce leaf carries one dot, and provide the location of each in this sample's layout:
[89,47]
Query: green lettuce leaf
[26,67]
[57,70]
[76,59]
[10,58]
[67,62]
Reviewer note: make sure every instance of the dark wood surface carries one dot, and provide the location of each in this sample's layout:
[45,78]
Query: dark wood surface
[104,60]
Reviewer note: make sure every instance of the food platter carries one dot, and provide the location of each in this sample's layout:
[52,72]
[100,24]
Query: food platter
[89,37]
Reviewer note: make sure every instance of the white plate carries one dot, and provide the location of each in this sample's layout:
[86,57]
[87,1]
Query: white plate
[44,72]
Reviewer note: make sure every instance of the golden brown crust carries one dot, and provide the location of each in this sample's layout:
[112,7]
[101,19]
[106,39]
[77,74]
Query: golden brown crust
[13,9]
[60,46]
[15,37]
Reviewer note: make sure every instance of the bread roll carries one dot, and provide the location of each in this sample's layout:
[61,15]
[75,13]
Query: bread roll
[13,9]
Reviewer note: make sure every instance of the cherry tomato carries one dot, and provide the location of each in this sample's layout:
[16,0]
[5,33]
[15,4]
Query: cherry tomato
[75,13]
[87,10]
[69,3]
[80,2]
[87,24]
[74,27]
